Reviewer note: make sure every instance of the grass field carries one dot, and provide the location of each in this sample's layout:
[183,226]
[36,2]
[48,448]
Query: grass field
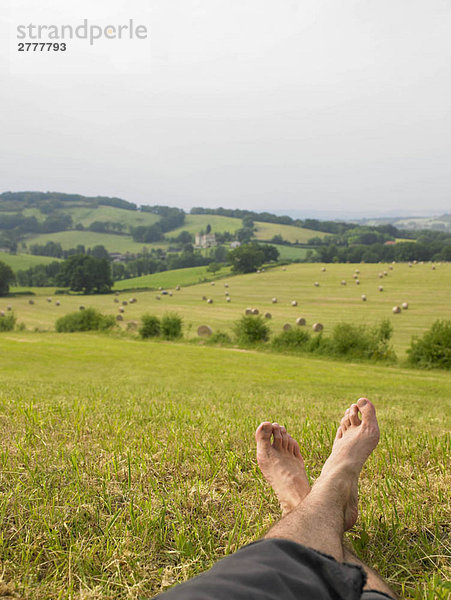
[195,223]
[266,231]
[290,252]
[427,291]
[128,466]
[170,279]
[71,239]
[19,262]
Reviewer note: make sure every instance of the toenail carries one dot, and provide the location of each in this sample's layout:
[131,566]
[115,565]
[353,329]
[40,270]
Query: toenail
[363,401]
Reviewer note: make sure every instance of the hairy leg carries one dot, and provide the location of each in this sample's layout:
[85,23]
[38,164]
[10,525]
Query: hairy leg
[373,581]
[320,520]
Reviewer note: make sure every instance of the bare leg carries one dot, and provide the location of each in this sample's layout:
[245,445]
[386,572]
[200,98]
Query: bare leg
[319,519]
[373,580]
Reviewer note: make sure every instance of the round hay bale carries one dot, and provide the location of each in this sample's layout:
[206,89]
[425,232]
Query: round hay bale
[381,275]
[49,299]
[343,282]
[284,269]
[226,294]
[209,301]
[116,300]
[323,269]
[119,318]
[2,313]
[405,305]
[160,289]
[30,301]
[317,327]
[117,293]
[301,321]
[170,294]
[177,288]
[433,267]
[396,310]
[132,325]
[415,262]
[82,307]
[364,297]
[287,327]
[294,303]
[204,331]
[263,270]
[131,301]
[385,273]
[380,288]
[258,271]
[121,309]
[410,264]
[204,298]
[357,281]
[355,276]
[274,300]
[157,298]
[226,285]
[212,283]
[248,311]
[227,299]
[57,303]
[391,268]
[316,284]
[9,307]
[268,316]
[124,302]
[255,311]
[357,271]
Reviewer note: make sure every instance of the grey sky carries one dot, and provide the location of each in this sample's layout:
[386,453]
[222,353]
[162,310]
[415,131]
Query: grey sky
[307,105]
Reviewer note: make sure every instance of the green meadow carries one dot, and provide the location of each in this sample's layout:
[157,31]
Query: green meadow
[425,290]
[127,466]
[19,262]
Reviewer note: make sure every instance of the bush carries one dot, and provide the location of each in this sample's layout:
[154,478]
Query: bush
[251,329]
[151,326]
[361,341]
[84,320]
[294,339]
[7,323]
[171,326]
[434,348]
[219,338]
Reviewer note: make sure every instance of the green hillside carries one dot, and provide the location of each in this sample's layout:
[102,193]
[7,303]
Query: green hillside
[19,262]
[196,223]
[71,239]
[427,292]
[266,231]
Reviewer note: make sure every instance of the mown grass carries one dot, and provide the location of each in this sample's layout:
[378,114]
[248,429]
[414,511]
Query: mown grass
[127,466]
[19,262]
[427,291]
[170,279]
[266,231]
[290,252]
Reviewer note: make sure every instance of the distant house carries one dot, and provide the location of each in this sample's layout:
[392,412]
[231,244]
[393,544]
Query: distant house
[117,257]
[234,245]
[207,240]
[6,250]
[389,243]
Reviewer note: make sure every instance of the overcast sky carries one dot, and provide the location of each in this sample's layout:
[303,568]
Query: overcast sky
[282,105]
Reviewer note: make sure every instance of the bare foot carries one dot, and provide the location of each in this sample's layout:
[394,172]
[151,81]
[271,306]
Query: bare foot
[355,440]
[282,465]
